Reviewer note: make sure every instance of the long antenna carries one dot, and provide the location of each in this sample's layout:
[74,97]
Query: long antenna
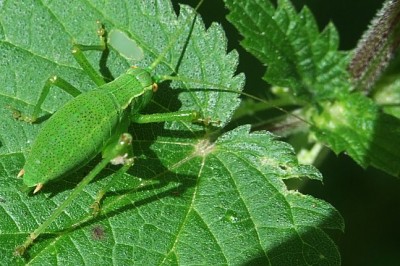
[224,89]
[179,32]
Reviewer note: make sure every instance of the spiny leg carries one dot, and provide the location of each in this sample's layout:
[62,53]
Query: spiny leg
[119,150]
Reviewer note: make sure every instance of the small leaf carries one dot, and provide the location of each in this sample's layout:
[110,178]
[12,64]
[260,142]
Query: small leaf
[355,125]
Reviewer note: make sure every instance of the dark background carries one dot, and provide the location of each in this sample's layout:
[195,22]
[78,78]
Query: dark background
[367,199]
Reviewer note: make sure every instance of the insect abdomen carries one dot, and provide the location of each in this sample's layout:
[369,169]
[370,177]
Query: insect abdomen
[72,136]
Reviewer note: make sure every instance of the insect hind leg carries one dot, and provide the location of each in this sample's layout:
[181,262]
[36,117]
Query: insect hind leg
[52,81]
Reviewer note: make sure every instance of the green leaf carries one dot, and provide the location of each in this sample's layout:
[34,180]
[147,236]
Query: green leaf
[297,55]
[308,62]
[192,197]
[354,124]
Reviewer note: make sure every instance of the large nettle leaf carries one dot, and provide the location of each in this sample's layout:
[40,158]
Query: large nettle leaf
[192,197]
[308,62]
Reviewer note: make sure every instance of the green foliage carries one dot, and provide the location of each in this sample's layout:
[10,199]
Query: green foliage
[374,138]
[309,64]
[298,56]
[194,196]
